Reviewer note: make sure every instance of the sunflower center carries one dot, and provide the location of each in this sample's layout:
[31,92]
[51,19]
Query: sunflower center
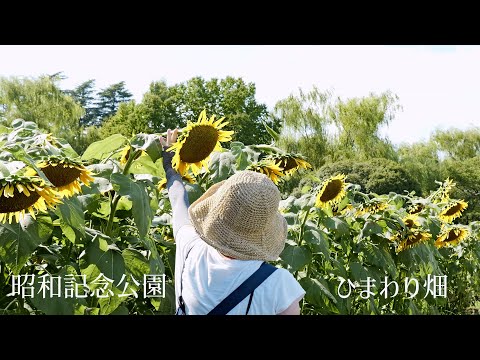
[454,209]
[333,188]
[452,236]
[18,202]
[416,209]
[409,223]
[199,144]
[412,239]
[290,164]
[60,175]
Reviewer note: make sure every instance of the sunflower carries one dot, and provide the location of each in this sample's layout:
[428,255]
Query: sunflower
[64,174]
[452,210]
[290,162]
[126,151]
[411,220]
[162,184]
[20,193]
[443,192]
[196,143]
[124,155]
[414,238]
[451,236]
[331,191]
[415,208]
[269,168]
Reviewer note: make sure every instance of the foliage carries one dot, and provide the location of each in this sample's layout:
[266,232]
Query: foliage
[42,102]
[379,176]
[166,107]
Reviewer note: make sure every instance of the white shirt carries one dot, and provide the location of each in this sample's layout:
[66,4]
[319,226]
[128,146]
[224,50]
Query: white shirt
[209,277]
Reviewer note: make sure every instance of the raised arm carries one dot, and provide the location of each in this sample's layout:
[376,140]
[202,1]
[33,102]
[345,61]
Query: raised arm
[176,190]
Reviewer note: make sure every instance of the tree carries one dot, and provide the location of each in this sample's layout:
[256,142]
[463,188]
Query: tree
[232,98]
[41,101]
[457,144]
[162,106]
[172,106]
[466,175]
[109,99]
[422,161]
[304,124]
[358,122]
[378,175]
[128,120]
[84,95]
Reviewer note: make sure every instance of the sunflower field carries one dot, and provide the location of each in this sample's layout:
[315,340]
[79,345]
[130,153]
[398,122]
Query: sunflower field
[91,233]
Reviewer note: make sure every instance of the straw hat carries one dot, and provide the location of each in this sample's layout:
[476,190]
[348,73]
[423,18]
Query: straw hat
[239,217]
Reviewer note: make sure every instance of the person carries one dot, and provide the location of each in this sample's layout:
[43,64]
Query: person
[223,237]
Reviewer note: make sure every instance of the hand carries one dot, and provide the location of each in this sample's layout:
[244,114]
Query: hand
[171,138]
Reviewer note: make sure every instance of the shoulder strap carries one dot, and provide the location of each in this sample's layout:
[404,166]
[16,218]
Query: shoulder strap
[247,287]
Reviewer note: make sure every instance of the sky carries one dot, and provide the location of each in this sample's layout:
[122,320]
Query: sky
[438,86]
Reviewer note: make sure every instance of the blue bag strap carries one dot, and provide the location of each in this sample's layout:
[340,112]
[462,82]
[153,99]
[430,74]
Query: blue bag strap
[246,288]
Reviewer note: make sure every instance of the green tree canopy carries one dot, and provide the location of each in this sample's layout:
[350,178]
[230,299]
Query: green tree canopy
[358,121]
[42,101]
[109,99]
[164,107]
[422,161]
[84,94]
[304,124]
[378,175]
[458,144]
[466,175]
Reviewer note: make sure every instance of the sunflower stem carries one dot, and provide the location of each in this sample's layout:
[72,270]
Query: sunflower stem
[302,228]
[116,198]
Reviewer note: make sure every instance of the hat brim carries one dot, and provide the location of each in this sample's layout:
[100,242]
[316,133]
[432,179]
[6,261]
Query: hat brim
[274,238]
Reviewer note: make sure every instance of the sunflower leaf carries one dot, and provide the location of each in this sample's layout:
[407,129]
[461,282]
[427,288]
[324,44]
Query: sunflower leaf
[149,143]
[103,148]
[19,153]
[272,132]
[315,290]
[296,256]
[108,262]
[318,240]
[71,213]
[19,241]
[136,192]
[221,166]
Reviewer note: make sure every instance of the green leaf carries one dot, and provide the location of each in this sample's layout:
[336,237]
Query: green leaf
[4,171]
[110,303]
[291,218]
[50,295]
[194,191]
[272,132]
[19,241]
[370,228]
[145,165]
[136,192]
[221,165]
[358,271]
[156,264]
[319,241]
[135,263]
[339,226]
[378,256]
[150,143]
[71,214]
[315,290]
[19,153]
[167,304]
[103,148]
[296,256]
[108,261]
